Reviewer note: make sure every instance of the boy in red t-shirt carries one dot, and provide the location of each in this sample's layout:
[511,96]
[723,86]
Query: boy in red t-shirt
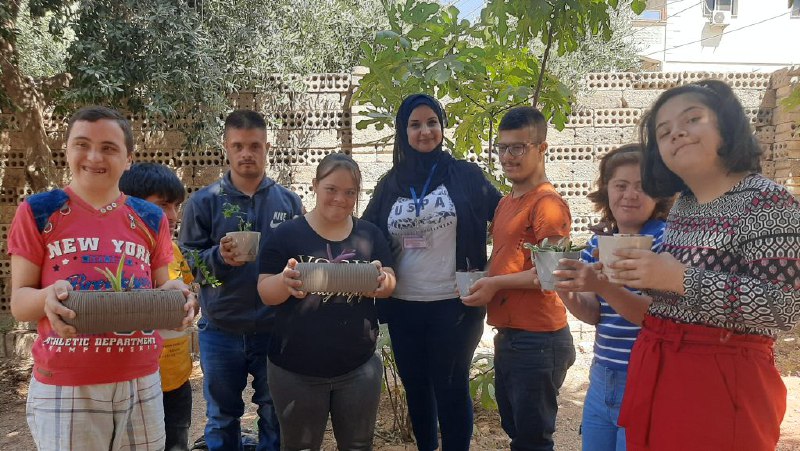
[99,391]
[533,345]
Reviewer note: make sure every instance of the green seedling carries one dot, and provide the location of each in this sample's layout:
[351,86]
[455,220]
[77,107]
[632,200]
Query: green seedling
[207,278]
[115,279]
[231,210]
[562,245]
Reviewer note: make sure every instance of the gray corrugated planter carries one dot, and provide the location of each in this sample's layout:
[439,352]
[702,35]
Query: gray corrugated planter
[118,311]
[338,277]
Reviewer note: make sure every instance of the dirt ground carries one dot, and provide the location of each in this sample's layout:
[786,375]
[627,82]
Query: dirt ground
[488,436]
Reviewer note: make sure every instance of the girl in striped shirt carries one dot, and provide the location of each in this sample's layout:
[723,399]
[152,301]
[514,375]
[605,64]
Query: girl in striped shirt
[616,311]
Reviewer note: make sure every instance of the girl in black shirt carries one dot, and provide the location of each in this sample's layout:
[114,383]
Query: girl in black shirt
[322,356]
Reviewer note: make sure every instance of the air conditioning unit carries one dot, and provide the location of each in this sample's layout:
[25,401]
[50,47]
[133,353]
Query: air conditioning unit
[719,18]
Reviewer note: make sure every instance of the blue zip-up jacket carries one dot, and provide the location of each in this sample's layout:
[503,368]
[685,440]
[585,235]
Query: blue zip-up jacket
[235,305]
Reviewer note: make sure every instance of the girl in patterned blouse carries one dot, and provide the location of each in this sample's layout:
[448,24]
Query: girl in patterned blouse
[702,373]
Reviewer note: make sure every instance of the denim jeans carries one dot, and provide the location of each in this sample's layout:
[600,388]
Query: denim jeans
[601,410]
[304,403]
[530,367]
[433,343]
[226,360]
[178,417]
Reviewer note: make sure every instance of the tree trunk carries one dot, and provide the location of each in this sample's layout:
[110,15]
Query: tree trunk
[28,107]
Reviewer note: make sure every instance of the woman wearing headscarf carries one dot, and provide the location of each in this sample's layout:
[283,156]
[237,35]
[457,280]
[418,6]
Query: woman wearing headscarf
[435,210]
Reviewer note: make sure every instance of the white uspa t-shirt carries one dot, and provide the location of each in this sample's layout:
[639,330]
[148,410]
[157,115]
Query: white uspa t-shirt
[425,273]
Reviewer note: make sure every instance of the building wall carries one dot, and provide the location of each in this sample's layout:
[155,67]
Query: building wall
[318,120]
[685,41]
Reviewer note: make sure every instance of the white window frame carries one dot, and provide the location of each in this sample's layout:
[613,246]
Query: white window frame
[709,6]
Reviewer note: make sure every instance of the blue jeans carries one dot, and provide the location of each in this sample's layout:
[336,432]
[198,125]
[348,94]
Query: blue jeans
[226,360]
[601,410]
[433,343]
[530,367]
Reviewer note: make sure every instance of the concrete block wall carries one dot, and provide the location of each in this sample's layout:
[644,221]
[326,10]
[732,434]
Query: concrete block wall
[312,116]
[783,155]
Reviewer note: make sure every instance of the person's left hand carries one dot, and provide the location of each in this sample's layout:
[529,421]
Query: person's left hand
[644,269]
[481,292]
[191,306]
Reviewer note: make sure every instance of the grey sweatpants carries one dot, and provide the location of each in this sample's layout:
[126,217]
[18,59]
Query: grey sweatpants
[304,402]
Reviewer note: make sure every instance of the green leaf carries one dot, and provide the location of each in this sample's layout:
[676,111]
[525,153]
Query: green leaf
[638,6]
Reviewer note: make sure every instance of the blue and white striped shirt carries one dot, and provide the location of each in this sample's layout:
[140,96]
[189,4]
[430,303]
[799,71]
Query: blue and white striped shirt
[614,335]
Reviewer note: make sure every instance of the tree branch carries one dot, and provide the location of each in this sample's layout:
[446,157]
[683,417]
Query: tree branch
[551,31]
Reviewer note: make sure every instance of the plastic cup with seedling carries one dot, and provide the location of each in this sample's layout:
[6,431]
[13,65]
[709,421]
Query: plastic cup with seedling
[245,238]
[465,279]
[546,258]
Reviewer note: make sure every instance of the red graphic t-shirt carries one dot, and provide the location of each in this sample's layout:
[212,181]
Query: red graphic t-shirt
[81,239]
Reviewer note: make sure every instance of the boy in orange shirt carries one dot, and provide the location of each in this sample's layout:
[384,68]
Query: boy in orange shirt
[533,345]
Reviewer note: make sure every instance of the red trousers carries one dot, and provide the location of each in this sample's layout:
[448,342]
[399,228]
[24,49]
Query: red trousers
[701,388]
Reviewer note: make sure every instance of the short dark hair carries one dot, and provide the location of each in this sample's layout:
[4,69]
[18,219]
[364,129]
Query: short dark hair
[94,113]
[628,154]
[143,180]
[739,152]
[245,120]
[525,116]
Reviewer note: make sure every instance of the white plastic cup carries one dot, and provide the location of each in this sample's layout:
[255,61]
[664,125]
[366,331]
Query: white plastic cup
[607,245]
[547,262]
[246,245]
[465,279]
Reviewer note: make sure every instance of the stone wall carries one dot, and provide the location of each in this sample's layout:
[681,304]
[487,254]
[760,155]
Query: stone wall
[783,154]
[317,119]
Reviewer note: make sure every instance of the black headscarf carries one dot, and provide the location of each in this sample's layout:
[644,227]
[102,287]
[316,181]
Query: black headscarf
[412,168]
[473,196]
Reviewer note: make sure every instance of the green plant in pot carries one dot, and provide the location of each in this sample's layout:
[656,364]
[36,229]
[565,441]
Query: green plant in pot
[546,256]
[122,308]
[245,238]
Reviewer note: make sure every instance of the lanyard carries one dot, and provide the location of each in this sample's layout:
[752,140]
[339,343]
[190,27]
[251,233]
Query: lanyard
[419,201]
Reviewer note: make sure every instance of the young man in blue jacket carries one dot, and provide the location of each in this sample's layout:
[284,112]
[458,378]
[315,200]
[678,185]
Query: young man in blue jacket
[235,327]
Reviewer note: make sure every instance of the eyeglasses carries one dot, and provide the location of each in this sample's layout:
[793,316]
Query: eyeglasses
[516,149]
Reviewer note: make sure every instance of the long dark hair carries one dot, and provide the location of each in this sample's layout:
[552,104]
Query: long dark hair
[739,152]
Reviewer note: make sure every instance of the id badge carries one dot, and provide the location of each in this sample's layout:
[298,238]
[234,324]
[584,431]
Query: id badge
[415,242]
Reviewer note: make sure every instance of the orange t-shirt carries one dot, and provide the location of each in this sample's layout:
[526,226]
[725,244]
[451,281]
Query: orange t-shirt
[530,218]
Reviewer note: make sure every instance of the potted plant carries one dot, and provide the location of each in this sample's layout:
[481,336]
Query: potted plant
[465,279]
[245,238]
[338,274]
[124,309]
[608,244]
[546,255]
